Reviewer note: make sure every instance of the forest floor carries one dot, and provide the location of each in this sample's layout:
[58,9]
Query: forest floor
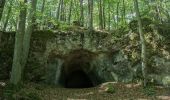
[121,92]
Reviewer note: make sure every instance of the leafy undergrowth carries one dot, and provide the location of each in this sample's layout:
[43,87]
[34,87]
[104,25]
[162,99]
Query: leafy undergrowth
[119,91]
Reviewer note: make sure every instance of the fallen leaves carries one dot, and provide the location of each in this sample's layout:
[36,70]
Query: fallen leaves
[122,92]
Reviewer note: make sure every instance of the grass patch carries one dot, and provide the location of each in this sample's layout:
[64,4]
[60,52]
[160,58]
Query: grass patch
[111,89]
[23,95]
[10,90]
[149,91]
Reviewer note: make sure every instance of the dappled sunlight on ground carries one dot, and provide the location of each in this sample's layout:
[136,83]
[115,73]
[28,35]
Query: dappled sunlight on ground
[121,92]
[164,97]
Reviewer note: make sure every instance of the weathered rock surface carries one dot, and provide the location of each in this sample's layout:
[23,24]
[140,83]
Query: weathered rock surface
[54,56]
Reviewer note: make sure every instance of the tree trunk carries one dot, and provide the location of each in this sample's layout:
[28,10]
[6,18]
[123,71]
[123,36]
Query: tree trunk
[42,17]
[43,7]
[143,45]
[2,4]
[29,30]
[8,16]
[70,12]
[103,14]
[124,12]
[62,11]
[81,13]
[58,9]
[76,11]
[100,16]
[90,15]
[109,19]
[117,11]
[16,72]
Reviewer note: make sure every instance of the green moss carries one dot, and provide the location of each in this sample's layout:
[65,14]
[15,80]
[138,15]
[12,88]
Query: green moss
[45,35]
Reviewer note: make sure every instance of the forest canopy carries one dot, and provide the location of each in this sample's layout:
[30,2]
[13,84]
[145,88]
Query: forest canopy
[106,14]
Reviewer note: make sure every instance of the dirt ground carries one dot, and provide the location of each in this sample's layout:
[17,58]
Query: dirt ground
[122,92]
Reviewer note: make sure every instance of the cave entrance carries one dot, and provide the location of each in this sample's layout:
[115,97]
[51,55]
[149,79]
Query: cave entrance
[78,79]
[77,71]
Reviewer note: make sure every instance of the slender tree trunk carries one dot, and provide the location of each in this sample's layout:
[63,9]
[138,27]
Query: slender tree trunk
[109,19]
[29,30]
[65,12]
[124,12]
[2,4]
[42,17]
[103,14]
[90,15]
[114,17]
[58,9]
[70,12]
[100,16]
[86,16]
[81,13]
[8,16]
[43,7]
[142,39]
[62,11]
[76,11]
[117,11]
[16,72]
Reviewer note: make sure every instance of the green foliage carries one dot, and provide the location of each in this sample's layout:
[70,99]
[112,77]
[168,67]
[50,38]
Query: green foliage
[146,22]
[120,32]
[149,90]
[27,96]
[34,72]
[150,9]
[110,89]
[10,90]
[13,92]
[65,27]
[53,24]
[33,96]
[43,35]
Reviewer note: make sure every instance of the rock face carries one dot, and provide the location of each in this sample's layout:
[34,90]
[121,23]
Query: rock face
[90,53]
[78,58]
[77,52]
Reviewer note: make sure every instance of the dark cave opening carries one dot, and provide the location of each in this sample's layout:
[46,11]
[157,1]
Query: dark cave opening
[78,79]
[77,71]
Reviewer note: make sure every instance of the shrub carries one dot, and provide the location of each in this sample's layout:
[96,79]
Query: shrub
[110,89]
[10,90]
[149,90]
